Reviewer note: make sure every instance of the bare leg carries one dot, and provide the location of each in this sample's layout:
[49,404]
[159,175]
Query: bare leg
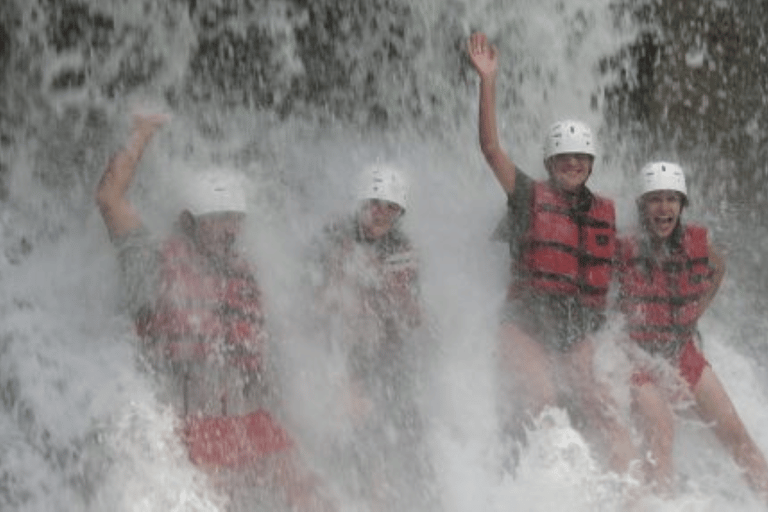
[526,370]
[715,407]
[597,405]
[656,420]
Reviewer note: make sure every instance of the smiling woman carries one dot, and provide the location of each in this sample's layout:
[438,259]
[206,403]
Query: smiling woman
[562,251]
[569,153]
[569,171]
[661,210]
[664,194]
[669,273]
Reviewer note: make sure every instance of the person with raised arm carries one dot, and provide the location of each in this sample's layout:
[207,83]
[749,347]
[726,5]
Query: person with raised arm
[198,311]
[562,239]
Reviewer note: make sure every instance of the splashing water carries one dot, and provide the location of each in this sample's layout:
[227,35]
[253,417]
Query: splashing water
[300,95]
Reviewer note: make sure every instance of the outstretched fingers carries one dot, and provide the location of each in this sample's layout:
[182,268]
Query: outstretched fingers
[482,54]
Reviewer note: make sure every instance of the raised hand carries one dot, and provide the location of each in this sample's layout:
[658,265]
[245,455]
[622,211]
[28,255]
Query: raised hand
[482,55]
[111,194]
[147,123]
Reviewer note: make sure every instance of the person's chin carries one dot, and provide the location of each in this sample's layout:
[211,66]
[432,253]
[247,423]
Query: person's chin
[222,255]
[661,235]
[572,185]
[377,232]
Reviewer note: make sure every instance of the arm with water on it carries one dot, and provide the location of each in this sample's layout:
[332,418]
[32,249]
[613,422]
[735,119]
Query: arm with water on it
[620,303]
[137,253]
[717,261]
[484,58]
[119,215]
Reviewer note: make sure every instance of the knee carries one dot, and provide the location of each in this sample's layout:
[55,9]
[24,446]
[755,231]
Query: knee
[655,416]
[660,430]
[731,430]
[532,396]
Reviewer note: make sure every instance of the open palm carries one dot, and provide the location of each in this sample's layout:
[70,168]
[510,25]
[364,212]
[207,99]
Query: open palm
[482,55]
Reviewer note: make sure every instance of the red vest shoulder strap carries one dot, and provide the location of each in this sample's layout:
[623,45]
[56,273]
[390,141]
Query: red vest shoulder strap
[544,189]
[695,244]
[603,209]
[696,241]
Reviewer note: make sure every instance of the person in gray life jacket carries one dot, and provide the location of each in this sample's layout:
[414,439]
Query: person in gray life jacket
[198,311]
[562,240]
[369,302]
[669,273]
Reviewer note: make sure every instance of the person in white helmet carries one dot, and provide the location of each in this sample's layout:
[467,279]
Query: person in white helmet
[198,311]
[562,241]
[669,273]
[385,262]
[369,299]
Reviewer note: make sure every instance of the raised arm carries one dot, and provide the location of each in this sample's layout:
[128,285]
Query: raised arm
[484,60]
[111,194]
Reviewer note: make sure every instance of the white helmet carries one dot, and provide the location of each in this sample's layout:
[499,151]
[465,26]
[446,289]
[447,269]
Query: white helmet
[569,137]
[215,190]
[662,176]
[384,182]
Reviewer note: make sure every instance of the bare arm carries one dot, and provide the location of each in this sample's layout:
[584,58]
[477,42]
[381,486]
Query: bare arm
[111,195]
[484,60]
[718,262]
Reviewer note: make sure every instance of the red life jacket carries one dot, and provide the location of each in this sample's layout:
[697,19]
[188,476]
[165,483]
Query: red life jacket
[200,310]
[234,441]
[566,252]
[660,299]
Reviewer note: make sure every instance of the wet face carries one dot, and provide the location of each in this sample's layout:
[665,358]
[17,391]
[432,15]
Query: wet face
[661,212]
[570,171]
[217,233]
[377,217]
